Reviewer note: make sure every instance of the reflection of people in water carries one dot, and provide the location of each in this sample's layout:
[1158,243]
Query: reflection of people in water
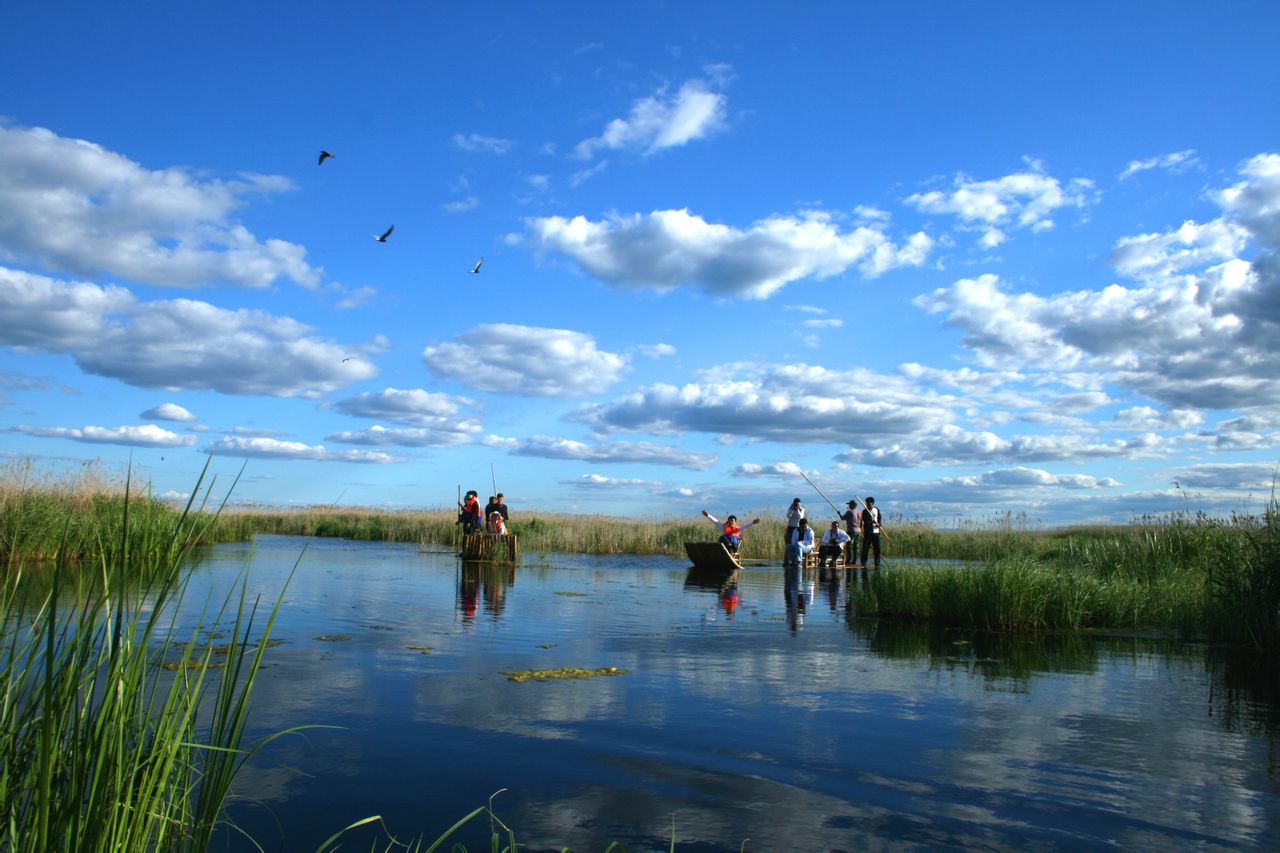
[837,588]
[729,596]
[468,591]
[485,582]
[797,591]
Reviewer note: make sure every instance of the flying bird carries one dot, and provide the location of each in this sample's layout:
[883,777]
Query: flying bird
[345,360]
[324,155]
[476,268]
[382,238]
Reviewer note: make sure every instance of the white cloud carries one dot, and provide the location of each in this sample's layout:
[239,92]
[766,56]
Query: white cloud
[414,407]
[662,121]
[1178,161]
[602,483]
[471,202]
[793,403]
[671,248]
[449,434]
[147,435]
[551,447]
[1241,475]
[1020,200]
[776,470]
[175,344]
[952,445]
[480,142]
[1200,333]
[70,205]
[271,448]
[526,360]
[168,412]
[656,350]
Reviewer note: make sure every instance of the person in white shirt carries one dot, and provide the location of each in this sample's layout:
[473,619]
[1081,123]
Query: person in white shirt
[795,514]
[833,542]
[799,543]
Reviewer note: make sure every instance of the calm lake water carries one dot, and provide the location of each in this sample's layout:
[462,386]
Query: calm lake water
[762,710]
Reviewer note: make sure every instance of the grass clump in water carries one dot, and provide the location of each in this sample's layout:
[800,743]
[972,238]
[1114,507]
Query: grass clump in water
[103,744]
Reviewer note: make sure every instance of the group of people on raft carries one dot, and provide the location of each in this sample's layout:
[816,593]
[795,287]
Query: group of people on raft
[836,546]
[494,517]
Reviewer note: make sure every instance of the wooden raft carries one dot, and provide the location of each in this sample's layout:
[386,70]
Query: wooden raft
[485,547]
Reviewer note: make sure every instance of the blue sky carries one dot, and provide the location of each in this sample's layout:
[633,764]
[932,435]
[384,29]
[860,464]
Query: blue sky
[968,258]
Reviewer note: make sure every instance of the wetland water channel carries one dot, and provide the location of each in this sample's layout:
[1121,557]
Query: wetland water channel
[761,710]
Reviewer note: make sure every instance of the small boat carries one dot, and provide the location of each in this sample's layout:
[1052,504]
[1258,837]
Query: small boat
[711,555]
[486,547]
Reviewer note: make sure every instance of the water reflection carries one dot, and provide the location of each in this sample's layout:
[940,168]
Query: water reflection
[721,581]
[487,581]
[846,732]
[797,591]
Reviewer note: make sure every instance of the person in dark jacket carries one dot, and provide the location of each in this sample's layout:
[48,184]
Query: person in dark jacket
[870,532]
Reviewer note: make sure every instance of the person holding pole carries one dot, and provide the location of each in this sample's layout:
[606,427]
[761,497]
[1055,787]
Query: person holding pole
[870,532]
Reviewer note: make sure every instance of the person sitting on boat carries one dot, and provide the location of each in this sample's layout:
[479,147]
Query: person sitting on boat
[833,542]
[497,526]
[799,544]
[732,536]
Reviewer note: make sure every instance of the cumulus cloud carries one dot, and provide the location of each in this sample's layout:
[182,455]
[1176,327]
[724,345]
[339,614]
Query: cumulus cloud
[602,483]
[445,435]
[1014,478]
[1228,475]
[526,360]
[776,470]
[480,142]
[271,448]
[666,249]
[73,206]
[1178,161]
[413,407]
[793,403]
[953,445]
[551,447]
[656,350]
[147,435]
[168,412]
[175,344]
[1020,200]
[1198,333]
[662,120]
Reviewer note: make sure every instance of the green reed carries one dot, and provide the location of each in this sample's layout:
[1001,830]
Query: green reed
[117,733]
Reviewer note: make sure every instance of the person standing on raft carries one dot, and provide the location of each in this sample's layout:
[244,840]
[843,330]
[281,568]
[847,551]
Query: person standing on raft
[870,532]
[795,514]
[469,513]
[732,535]
[852,518]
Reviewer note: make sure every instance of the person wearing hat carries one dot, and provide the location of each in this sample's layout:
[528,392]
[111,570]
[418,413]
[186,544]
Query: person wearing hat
[852,518]
[795,514]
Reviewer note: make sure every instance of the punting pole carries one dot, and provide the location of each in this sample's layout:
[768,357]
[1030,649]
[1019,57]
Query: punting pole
[494,478]
[819,491]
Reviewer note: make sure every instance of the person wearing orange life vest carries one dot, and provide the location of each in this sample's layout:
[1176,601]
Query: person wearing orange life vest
[497,526]
[469,513]
[732,535]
